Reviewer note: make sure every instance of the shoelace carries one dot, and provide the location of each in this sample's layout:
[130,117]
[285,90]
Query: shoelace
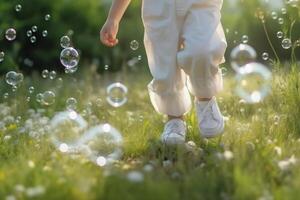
[207,110]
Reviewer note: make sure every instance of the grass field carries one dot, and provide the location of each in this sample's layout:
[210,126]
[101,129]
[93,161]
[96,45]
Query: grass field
[256,158]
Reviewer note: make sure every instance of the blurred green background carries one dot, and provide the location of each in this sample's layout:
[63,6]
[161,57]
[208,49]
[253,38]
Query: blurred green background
[82,20]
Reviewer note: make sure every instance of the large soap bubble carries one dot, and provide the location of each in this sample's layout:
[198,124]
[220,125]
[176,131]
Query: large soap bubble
[242,55]
[66,130]
[69,57]
[104,143]
[253,82]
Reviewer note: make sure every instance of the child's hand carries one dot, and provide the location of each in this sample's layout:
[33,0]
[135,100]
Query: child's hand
[109,33]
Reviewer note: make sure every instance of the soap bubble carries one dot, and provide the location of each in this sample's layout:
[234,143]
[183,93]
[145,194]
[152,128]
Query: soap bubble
[59,82]
[31,89]
[39,97]
[47,17]
[29,33]
[297,43]
[280,34]
[2,55]
[66,130]
[10,34]
[116,94]
[134,45]
[5,95]
[242,55]
[253,82]
[245,39]
[32,39]
[265,56]
[280,20]
[69,57]
[48,98]
[71,103]
[293,3]
[52,75]
[286,43]
[104,143]
[106,67]
[45,73]
[44,33]
[65,42]
[34,29]
[13,78]
[274,15]
[18,8]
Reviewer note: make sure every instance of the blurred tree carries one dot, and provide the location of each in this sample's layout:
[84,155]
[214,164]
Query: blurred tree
[82,20]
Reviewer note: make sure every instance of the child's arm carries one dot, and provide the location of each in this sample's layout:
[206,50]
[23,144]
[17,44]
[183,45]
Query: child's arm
[110,29]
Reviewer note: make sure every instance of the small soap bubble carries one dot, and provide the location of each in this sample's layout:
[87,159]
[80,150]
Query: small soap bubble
[280,34]
[245,39]
[52,75]
[14,88]
[2,55]
[48,98]
[5,95]
[32,39]
[18,8]
[10,34]
[31,89]
[29,33]
[45,33]
[71,103]
[69,57]
[265,56]
[274,15]
[65,42]
[286,43]
[39,97]
[116,94]
[297,44]
[47,17]
[45,73]
[134,45]
[34,29]
[280,21]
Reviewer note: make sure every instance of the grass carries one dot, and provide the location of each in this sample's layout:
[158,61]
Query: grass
[245,163]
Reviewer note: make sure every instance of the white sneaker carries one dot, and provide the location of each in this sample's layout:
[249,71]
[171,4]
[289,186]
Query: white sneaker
[174,132]
[210,119]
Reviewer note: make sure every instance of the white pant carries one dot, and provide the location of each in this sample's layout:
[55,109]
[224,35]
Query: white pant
[195,26]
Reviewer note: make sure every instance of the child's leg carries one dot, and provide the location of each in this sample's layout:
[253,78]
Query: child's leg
[204,50]
[168,92]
